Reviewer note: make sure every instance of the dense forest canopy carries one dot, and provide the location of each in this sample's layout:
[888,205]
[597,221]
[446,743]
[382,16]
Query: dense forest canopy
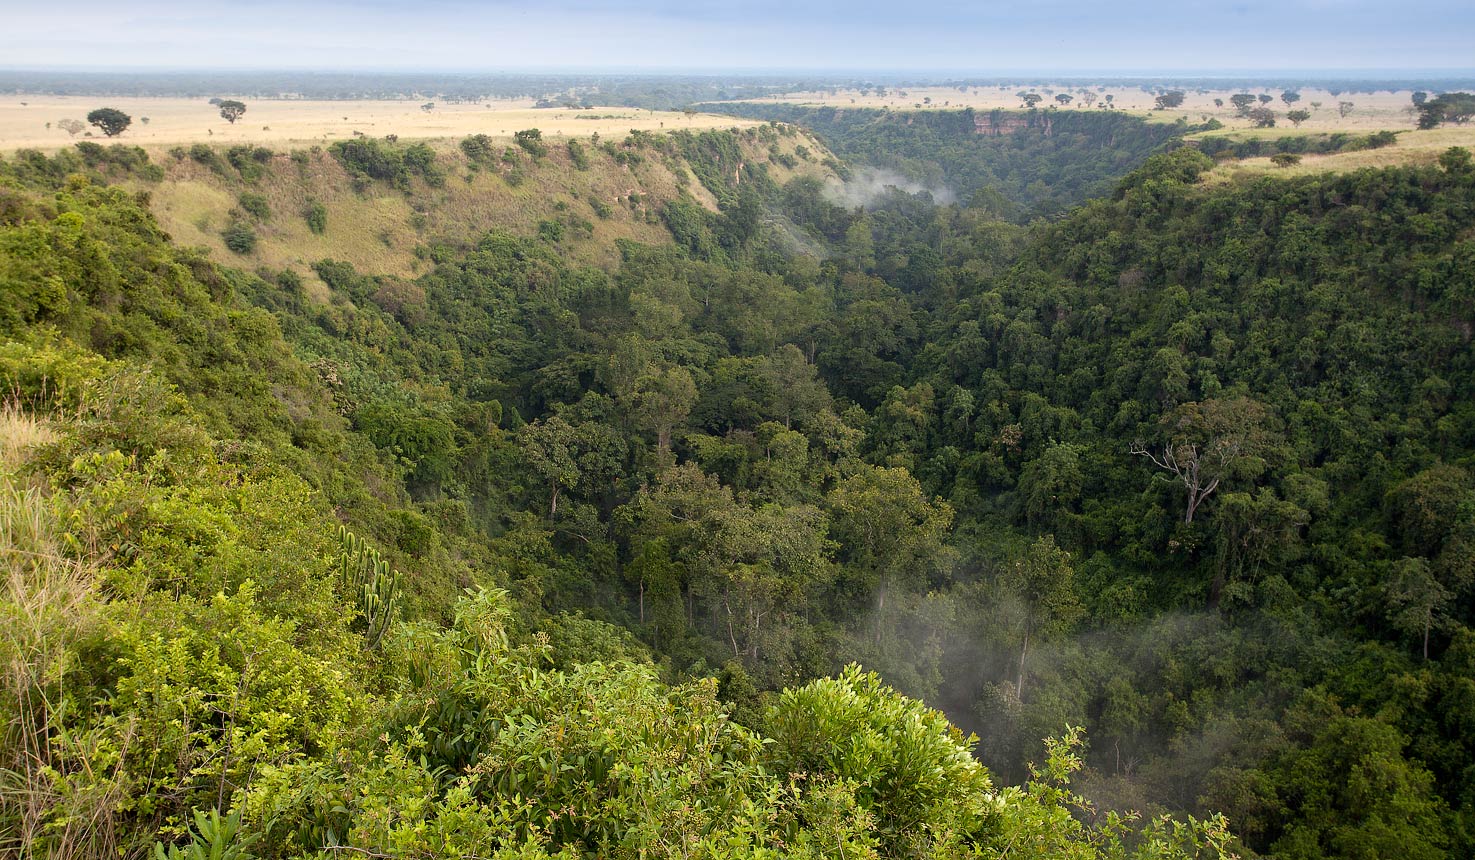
[1019,164]
[523,558]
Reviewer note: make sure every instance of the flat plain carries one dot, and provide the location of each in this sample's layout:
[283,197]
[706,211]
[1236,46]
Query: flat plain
[24,119]
[1369,111]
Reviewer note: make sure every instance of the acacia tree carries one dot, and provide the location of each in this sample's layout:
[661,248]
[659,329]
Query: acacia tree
[1211,441]
[1242,103]
[231,110]
[1298,116]
[1290,97]
[71,126]
[1170,99]
[1457,108]
[1344,108]
[112,121]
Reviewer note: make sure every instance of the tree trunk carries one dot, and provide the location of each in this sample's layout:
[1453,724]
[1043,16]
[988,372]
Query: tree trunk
[1019,683]
[1216,587]
[736,652]
[880,608]
[553,504]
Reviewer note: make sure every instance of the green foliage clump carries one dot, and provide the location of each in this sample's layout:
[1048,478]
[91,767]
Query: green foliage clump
[119,159]
[531,141]
[578,155]
[255,205]
[368,159]
[479,148]
[316,215]
[249,161]
[203,153]
[239,237]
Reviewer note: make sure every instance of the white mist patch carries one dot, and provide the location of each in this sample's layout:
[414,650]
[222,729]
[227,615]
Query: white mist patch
[869,184]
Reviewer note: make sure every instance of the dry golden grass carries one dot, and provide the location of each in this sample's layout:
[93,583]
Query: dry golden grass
[20,433]
[46,604]
[1413,147]
[279,122]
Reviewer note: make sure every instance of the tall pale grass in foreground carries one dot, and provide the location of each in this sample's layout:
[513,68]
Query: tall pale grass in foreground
[46,607]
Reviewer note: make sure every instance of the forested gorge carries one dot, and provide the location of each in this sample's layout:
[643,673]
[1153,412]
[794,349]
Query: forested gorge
[1167,500]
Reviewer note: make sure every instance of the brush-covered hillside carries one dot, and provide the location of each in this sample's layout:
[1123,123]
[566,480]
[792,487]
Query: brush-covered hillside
[385,206]
[768,517]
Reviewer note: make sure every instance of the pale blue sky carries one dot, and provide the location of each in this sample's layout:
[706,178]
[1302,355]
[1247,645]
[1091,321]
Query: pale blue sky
[922,35]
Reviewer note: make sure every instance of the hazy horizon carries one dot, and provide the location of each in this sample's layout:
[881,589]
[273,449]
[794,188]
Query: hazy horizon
[1328,37]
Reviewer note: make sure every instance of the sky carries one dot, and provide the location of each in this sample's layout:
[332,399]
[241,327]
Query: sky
[982,37]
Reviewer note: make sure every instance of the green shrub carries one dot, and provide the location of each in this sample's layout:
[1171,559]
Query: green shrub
[317,217]
[479,149]
[578,155]
[239,237]
[368,159]
[203,153]
[255,205]
[531,139]
[249,161]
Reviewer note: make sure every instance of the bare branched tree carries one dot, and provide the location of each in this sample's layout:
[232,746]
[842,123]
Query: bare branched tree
[1208,442]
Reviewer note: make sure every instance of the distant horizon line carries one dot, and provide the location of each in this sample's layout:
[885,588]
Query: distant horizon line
[1319,73]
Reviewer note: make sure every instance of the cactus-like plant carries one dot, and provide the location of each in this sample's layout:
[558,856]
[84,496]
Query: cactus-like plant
[369,581]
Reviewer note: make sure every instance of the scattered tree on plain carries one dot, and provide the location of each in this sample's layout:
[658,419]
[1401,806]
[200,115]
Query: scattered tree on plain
[112,121]
[231,110]
[1170,99]
[1457,108]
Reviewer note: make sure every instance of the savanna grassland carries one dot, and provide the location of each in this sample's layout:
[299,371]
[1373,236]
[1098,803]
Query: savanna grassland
[173,120]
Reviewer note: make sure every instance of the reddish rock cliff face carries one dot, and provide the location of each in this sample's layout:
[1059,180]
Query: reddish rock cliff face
[999,123]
